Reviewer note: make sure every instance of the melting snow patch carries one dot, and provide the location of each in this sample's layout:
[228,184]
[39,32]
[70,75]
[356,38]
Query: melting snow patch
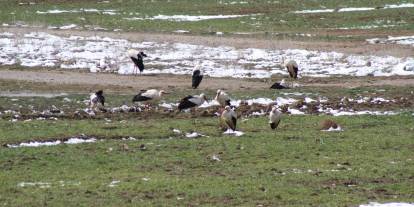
[181,31]
[235,133]
[388,6]
[356,9]
[375,204]
[331,129]
[177,131]
[352,113]
[114,183]
[52,143]
[314,11]
[295,112]
[70,26]
[186,18]
[57,11]
[39,184]
[194,135]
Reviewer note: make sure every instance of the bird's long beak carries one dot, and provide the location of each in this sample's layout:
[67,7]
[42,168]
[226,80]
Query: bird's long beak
[166,93]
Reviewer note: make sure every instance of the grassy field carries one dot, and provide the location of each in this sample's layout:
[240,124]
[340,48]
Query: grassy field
[371,160]
[297,165]
[270,18]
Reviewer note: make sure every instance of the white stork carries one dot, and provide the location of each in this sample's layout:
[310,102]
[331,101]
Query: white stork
[151,95]
[222,98]
[96,98]
[292,68]
[137,58]
[229,117]
[191,101]
[274,117]
[197,76]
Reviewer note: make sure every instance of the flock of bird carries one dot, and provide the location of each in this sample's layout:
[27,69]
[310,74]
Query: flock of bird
[228,115]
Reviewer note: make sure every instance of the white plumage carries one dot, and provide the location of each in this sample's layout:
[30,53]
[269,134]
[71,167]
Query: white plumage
[132,53]
[148,95]
[222,98]
[274,117]
[191,101]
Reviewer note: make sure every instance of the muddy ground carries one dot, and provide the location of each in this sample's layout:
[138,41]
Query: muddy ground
[114,82]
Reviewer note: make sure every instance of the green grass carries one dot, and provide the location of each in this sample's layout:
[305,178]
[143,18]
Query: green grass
[273,17]
[297,165]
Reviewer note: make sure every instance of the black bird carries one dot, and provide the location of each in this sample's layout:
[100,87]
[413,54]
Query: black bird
[197,77]
[281,85]
[137,58]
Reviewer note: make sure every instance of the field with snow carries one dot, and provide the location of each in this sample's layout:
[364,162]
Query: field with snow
[346,137]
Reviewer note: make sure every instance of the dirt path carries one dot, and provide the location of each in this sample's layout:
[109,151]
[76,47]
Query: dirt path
[59,78]
[350,47]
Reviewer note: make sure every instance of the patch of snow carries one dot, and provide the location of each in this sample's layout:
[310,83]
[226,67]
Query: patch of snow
[57,11]
[45,50]
[70,26]
[295,112]
[215,158]
[35,144]
[193,135]
[52,143]
[181,31]
[309,100]
[185,18]
[375,204]
[235,133]
[352,113]
[114,183]
[79,140]
[39,184]
[403,5]
[356,9]
[331,129]
[350,9]
[314,11]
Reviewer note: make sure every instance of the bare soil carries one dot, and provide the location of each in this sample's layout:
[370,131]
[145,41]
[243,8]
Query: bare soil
[113,82]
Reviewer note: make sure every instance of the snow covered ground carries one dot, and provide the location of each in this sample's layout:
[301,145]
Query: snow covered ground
[106,54]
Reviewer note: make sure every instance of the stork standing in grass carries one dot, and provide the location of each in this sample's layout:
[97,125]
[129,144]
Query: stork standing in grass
[274,117]
[222,98]
[137,57]
[197,76]
[96,98]
[148,96]
[229,117]
[191,101]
